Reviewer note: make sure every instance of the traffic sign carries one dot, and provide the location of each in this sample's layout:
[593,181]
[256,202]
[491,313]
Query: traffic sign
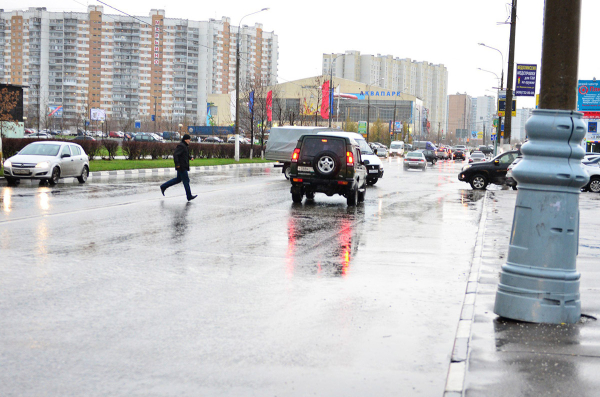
[502,107]
[138,124]
[493,137]
[362,127]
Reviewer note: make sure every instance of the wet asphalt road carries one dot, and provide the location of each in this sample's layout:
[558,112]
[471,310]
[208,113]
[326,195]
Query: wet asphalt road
[112,289]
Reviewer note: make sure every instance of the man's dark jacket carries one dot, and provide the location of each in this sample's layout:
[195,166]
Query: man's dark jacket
[181,156]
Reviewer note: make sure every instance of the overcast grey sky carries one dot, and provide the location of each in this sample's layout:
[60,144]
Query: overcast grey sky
[437,31]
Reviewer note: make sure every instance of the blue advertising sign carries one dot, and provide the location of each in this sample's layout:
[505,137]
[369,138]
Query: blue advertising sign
[525,80]
[55,111]
[138,124]
[588,96]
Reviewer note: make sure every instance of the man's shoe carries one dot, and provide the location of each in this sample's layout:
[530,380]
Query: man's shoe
[162,190]
[191,198]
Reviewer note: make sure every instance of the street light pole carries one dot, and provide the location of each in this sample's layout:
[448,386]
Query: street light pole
[237,72]
[499,130]
[369,106]
[331,87]
[155,115]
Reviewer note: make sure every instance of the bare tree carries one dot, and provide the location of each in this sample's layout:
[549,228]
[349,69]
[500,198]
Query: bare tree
[292,113]
[9,101]
[278,106]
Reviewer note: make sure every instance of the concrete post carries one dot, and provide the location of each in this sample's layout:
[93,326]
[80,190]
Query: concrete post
[236,155]
[540,283]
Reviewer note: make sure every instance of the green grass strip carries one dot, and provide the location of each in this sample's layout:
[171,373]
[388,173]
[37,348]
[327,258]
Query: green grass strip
[115,165]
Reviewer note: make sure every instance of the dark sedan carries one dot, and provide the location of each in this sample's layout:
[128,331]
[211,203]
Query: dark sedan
[458,154]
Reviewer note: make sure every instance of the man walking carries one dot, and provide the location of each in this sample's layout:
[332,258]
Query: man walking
[182,158]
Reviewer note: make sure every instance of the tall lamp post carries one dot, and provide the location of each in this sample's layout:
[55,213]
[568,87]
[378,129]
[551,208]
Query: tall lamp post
[499,118]
[369,105]
[237,72]
[331,87]
[498,133]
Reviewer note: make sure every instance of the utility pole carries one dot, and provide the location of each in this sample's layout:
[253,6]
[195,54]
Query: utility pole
[511,64]
[540,283]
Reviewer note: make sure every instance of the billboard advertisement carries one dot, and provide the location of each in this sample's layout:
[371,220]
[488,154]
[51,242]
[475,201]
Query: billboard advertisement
[526,75]
[55,111]
[97,114]
[588,96]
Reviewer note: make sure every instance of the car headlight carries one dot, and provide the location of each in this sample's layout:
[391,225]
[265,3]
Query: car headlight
[43,164]
[7,164]
[466,167]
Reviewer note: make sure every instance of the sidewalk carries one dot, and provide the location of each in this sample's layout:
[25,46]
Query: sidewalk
[495,357]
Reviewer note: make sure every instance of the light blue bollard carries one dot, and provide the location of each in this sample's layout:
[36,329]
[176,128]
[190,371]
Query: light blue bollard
[540,283]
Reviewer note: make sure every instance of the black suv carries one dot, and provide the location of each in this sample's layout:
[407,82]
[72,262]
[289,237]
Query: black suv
[493,171]
[328,164]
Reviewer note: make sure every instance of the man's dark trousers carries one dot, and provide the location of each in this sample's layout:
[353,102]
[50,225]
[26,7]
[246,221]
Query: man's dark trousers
[182,176]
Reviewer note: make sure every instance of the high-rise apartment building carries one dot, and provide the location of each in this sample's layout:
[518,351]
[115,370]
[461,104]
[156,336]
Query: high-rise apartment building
[130,67]
[459,115]
[421,79]
[483,112]
[518,132]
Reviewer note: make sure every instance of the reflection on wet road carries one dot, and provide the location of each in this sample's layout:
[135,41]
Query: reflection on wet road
[239,292]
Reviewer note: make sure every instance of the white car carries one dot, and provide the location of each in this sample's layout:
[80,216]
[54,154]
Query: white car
[594,183]
[158,137]
[48,161]
[39,135]
[415,160]
[397,148]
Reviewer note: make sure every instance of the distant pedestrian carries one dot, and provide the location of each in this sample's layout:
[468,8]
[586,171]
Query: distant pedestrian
[182,158]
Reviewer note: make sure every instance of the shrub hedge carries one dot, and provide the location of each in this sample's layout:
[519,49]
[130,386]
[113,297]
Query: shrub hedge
[111,147]
[134,150]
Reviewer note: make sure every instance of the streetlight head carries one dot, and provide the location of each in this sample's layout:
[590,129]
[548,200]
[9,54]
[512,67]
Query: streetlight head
[265,9]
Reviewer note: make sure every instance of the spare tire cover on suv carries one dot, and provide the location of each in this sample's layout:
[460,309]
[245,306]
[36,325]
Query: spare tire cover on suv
[326,163]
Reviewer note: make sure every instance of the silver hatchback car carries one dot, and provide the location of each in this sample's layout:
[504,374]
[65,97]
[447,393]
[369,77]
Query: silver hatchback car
[48,161]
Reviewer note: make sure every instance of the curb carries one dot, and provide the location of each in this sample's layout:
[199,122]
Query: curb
[170,170]
[460,353]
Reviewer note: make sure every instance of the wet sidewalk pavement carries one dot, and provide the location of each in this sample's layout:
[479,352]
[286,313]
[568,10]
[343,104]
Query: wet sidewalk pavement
[500,357]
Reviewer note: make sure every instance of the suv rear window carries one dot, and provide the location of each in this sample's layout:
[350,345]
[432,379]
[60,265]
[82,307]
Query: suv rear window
[314,145]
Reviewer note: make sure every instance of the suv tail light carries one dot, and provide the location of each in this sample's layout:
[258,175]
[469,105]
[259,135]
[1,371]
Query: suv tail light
[349,159]
[295,155]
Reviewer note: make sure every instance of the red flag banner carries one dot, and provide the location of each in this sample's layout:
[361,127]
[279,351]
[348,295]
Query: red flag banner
[325,100]
[270,106]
